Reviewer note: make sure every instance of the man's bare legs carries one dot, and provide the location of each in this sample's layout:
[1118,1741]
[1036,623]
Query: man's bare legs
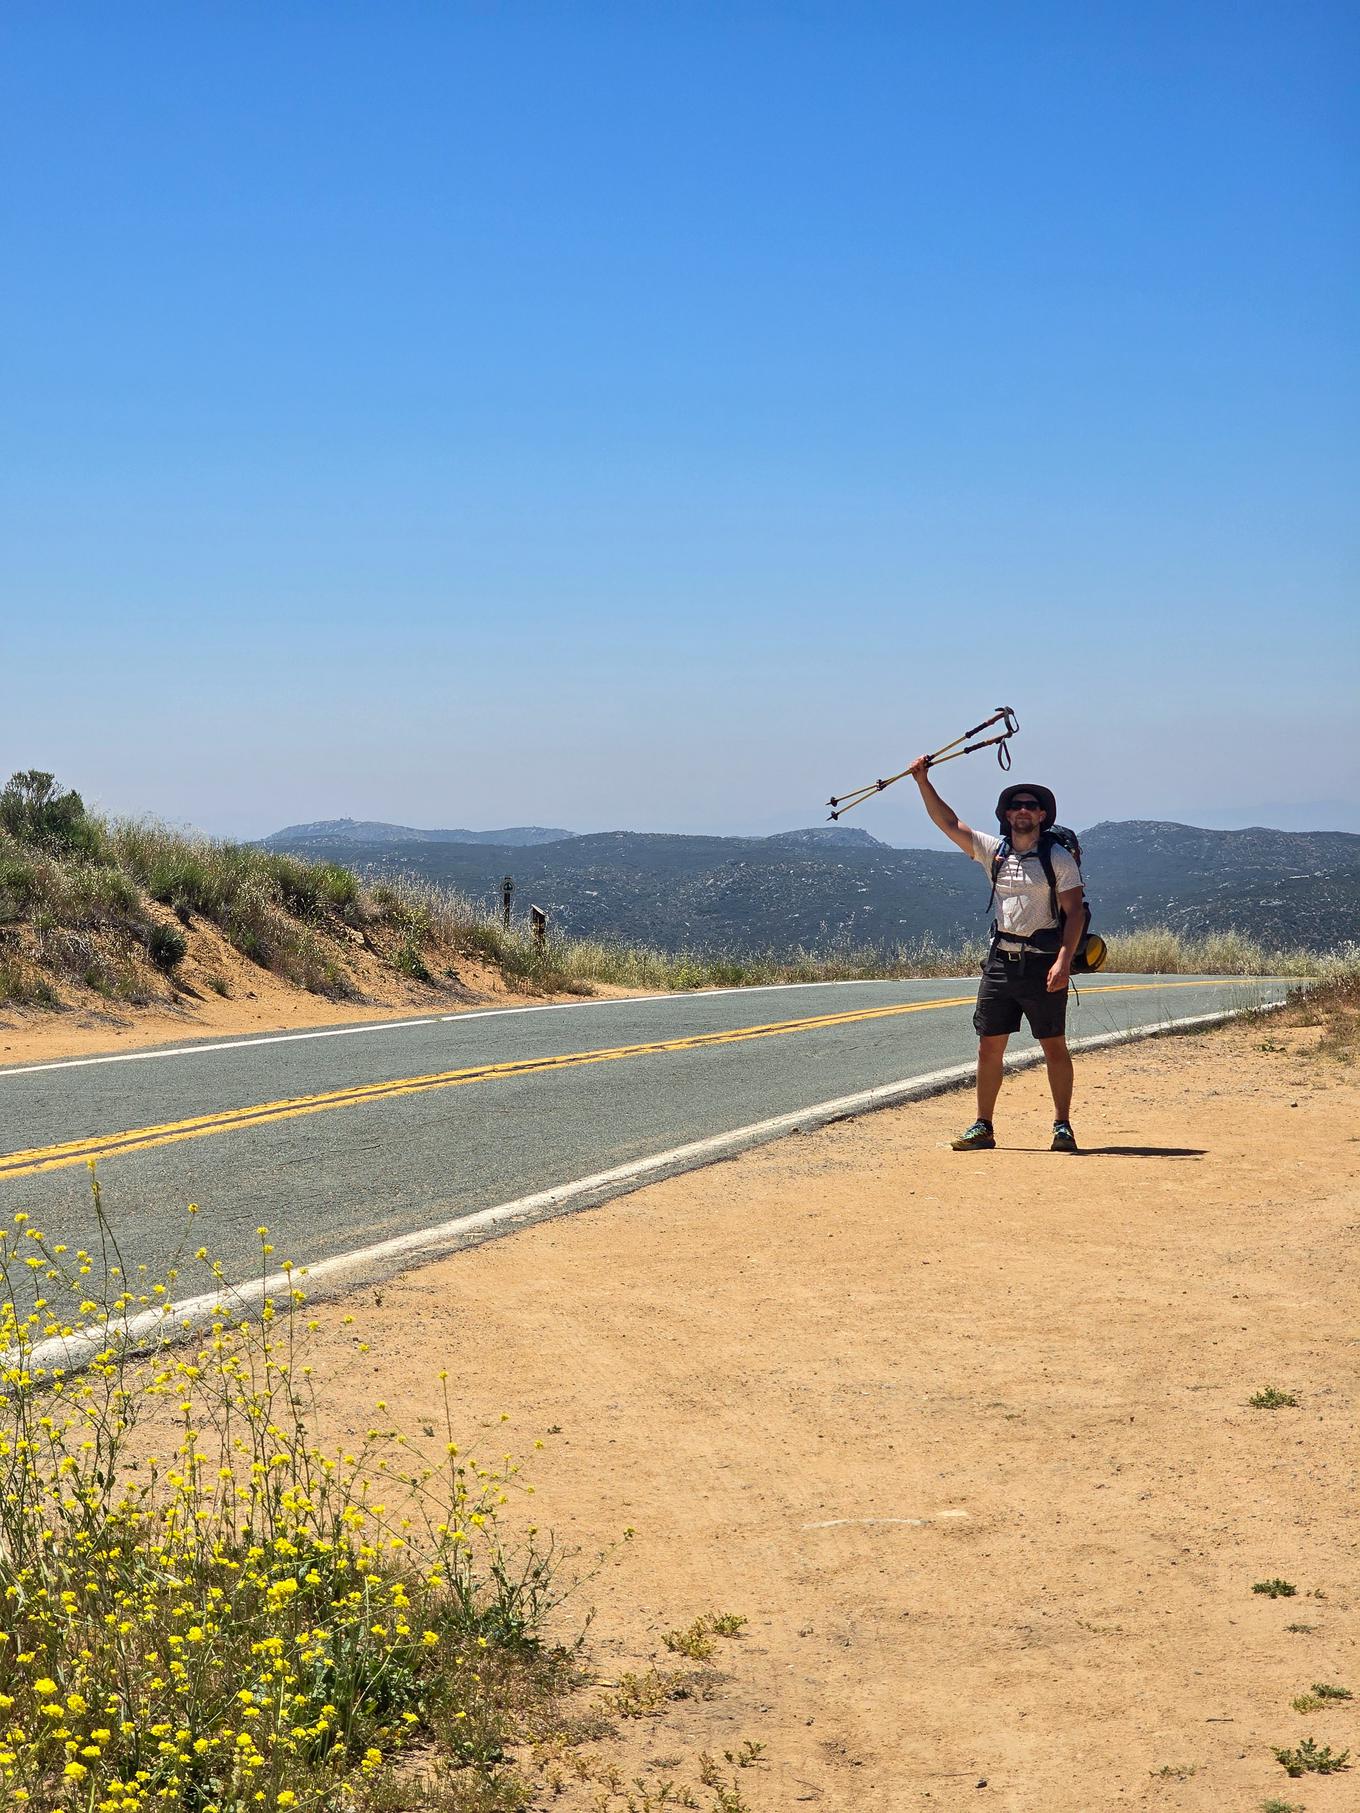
[991,1051]
[1059,1062]
[991,1054]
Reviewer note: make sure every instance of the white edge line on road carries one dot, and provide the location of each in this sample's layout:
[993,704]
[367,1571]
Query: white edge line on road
[837,1523]
[345,1271]
[483,1013]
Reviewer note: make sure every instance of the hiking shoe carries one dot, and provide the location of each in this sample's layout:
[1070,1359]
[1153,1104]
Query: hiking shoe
[978,1138]
[1064,1139]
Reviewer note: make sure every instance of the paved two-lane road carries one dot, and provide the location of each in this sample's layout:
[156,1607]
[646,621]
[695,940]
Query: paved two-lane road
[350,1136]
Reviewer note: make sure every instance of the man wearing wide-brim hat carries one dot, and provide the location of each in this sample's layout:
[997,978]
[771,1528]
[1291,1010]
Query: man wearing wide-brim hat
[1022,977]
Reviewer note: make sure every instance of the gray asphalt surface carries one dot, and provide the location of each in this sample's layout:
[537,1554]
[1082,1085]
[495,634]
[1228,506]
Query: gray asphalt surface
[332,1182]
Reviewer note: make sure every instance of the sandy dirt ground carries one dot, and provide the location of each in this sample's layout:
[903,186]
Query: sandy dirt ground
[964,1438]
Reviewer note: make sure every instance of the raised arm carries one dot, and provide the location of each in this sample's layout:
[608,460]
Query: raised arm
[944,816]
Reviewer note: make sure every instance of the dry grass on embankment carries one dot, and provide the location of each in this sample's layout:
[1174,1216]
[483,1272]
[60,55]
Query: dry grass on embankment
[131,915]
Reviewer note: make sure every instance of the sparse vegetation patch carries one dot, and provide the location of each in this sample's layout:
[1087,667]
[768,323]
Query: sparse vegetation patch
[1331,1002]
[1310,1758]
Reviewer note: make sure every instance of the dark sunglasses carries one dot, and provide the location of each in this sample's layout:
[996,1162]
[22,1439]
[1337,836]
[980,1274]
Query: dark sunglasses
[1024,805]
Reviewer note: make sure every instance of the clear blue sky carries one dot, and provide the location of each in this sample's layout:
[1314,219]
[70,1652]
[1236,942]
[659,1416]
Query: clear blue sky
[661,416]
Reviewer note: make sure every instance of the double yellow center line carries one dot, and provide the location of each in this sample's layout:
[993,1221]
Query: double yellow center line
[142,1139]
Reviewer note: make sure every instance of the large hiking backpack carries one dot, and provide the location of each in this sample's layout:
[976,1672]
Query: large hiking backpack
[1090,953]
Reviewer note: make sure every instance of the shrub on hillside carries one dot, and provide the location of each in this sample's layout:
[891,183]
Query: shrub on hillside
[166,946]
[34,811]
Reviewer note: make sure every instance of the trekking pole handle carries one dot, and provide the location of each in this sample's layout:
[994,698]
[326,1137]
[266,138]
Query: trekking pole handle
[1002,711]
[982,726]
[933,761]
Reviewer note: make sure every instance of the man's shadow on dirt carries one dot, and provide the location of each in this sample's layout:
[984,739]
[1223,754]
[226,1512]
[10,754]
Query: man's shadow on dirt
[1120,1151]
[1142,1152]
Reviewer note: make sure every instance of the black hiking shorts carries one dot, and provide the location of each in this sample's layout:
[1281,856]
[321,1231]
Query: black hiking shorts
[1017,987]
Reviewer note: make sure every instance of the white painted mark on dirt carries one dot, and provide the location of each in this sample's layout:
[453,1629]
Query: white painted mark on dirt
[841,1523]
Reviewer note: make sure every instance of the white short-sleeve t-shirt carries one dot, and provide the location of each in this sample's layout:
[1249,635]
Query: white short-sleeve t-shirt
[1023,904]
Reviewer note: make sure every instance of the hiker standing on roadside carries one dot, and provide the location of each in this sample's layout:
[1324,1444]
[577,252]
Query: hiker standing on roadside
[1029,960]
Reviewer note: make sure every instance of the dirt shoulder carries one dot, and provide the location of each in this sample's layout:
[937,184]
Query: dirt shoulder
[965,1438]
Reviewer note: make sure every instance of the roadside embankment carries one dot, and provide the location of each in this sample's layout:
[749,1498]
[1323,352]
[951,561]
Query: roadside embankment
[968,1441]
[119,934]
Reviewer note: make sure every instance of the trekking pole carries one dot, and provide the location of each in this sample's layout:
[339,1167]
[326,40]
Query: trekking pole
[949,752]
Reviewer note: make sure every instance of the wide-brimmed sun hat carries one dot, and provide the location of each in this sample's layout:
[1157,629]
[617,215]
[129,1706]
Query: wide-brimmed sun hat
[1042,794]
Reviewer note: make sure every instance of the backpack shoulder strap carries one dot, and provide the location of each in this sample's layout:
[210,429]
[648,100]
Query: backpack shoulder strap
[1002,852]
[1044,850]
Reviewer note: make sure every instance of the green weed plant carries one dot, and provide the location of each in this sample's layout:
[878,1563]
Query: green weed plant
[1271,1398]
[1309,1758]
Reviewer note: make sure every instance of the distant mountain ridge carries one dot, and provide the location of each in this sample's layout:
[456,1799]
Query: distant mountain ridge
[367,831]
[827,884]
[1282,887]
[1162,848]
[373,831]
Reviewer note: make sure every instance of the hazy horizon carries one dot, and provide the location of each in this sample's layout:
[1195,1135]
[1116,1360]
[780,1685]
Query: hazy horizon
[929,838]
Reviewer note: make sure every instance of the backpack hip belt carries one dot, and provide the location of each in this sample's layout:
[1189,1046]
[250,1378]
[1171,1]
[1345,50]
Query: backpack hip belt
[1005,944]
